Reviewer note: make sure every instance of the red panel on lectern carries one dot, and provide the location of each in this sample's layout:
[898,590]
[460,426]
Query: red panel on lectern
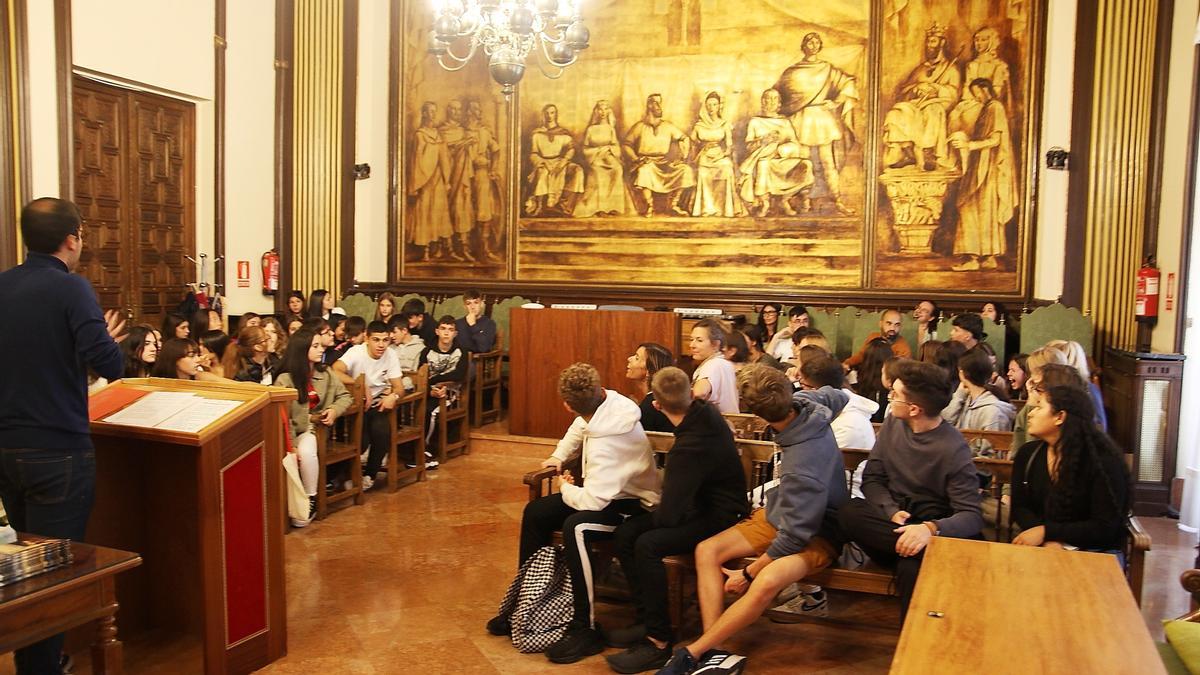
[242,504]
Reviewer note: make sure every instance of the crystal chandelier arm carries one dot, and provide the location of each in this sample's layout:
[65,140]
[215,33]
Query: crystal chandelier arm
[454,67]
[470,53]
[559,66]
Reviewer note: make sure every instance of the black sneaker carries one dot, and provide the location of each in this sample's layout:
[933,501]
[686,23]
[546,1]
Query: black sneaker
[681,663]
[498,625]
[639,658]
[576,644]
[629,636]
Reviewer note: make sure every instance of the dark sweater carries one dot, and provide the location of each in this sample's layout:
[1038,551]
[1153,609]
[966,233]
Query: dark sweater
[703,476]
[1094,522]
[53,330]
[479,338]
[931,475]
[652,418]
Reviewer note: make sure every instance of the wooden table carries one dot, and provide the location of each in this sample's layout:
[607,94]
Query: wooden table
[1020,609]
[51,603]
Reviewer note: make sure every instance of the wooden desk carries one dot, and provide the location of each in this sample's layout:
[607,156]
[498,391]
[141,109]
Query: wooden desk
[51,603]
[1020,609]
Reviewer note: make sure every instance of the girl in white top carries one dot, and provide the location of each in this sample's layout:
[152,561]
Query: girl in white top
[714,379]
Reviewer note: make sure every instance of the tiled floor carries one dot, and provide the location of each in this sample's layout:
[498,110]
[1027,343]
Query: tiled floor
[405,583]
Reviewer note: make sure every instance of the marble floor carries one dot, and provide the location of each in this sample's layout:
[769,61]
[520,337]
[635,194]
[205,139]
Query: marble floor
[405,583]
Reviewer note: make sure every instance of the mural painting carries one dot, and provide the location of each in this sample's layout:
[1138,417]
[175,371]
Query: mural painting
[757,143]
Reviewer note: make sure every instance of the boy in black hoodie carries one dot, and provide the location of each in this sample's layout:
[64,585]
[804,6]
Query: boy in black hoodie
[704,492]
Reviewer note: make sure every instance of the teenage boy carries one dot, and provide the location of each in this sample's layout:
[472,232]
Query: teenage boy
[382,373]
[447,377]
[919,481]
[420,323]
[352,331]
[621,481]
[476,331]
[406,346]
[704,492]
[794,536]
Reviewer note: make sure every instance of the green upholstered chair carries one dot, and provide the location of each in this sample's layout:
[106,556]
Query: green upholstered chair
[359,304]
[1055,322]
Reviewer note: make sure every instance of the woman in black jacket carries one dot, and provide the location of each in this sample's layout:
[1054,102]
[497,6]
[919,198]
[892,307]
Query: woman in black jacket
[1070,487]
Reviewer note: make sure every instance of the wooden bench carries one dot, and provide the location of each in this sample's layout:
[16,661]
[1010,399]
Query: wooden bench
[341,443]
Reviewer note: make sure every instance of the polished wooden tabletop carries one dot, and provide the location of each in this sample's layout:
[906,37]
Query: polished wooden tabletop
[987,607]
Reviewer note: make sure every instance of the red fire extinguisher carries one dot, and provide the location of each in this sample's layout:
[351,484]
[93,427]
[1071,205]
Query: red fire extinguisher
[1148,276]
[270,272]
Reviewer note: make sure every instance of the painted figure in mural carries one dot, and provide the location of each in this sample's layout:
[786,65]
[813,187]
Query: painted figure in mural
[773,166]
[556,180]
[986,65]
[716,192]
[462,212]
[605,193]
[483,152]
[820,100]
[430,212]
[915,128]
[655,170]
[987,193]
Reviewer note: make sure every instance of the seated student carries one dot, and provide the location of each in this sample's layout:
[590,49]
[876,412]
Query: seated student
[385,307]
[803,355]
[250,359]
[248,320]
[869,373]
[1077,359]
[354,332]
[294,324]
[277,339]
[967,329]
[926,315]
[779,347]
[420,323]
[889,332]
[212,346]
[1070,486]
[794,536]
[326,332]
[768,322]
[703,493]
[714,378]
[175,326]
[178,359]
[296,307]
[382,374]
[407,347]
[736,351]
[754,342]
[476,330]
[946,357]
[447,378]
[648,359]
[852,427]
[1016,375]
[1037,361]
[321,305]
[920,480]
[977,403]
[622,481]
[140,347]
[318,393]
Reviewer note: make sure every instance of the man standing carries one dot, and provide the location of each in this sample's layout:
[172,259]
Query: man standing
[918,120]
[819,99]
[648,146]
[47,461]
[889,330]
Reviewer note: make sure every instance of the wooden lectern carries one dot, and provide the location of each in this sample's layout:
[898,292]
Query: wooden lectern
[205,508]
[544,341]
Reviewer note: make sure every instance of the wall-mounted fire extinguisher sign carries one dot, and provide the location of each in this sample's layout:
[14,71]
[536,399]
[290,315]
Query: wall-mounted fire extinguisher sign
[270,272]
[1146,303]
[243,274]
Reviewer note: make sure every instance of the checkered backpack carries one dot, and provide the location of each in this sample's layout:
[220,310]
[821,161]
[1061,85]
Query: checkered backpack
[539,604]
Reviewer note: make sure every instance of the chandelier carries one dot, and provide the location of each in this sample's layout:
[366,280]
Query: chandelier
[508,31]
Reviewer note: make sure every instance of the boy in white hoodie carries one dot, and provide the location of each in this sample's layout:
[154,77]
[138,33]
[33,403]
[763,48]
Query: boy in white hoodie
[621,480]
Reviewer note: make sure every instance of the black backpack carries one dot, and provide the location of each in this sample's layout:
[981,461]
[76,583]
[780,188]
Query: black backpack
[539,603]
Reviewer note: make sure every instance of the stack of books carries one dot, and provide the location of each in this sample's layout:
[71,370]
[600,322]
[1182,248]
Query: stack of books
[32,556]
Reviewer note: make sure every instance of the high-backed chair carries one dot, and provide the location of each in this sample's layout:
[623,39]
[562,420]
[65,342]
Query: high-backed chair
[342,443]
[453,431]
[486,383]
[408,432]
[748,427]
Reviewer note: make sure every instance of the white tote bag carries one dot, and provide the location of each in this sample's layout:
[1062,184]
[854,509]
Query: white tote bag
[297,500]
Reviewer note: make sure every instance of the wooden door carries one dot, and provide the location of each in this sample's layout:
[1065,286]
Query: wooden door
[135,178]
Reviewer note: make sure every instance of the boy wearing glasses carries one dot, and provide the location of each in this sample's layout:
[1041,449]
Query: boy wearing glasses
[919,482]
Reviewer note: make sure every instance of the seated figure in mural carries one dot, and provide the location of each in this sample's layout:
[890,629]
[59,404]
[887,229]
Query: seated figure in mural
[483,152]
[773,166]
[429,226]
[716,194]
[986,65]
[605,193]
[819,99]
[655,169]
[987,193]
[462,210]
[556,180]
[914,130]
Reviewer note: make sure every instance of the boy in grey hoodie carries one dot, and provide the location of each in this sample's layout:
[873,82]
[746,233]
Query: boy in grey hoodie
[794,536]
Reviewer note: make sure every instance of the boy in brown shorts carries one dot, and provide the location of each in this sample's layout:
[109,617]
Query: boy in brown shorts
[792,537]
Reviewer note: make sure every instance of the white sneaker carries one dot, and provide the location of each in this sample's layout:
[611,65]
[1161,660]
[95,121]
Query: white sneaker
[794,589]
[802,606]
[368,483]
[431,465]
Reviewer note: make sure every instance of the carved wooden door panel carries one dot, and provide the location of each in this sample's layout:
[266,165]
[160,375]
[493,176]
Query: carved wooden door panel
[100,187]
[162,212]
[135,182]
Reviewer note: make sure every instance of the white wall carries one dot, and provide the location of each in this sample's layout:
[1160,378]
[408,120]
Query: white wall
[249,148]
[371,144]
[43,100]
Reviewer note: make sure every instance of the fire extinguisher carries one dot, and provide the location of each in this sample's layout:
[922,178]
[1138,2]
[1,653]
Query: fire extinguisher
[270,272]
[1146,308]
